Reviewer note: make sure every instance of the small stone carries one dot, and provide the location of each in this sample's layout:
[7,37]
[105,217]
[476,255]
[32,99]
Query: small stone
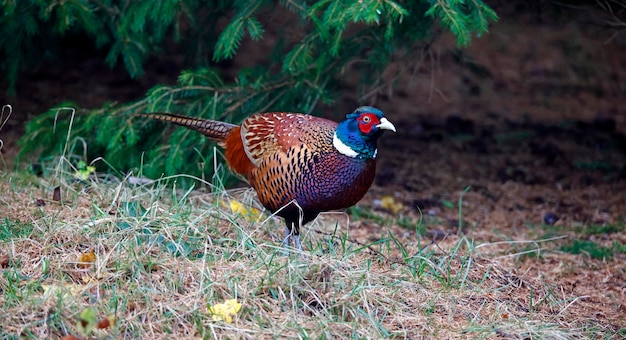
[550,218]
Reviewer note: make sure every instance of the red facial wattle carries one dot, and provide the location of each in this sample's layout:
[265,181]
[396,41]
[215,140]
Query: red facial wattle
[367,121]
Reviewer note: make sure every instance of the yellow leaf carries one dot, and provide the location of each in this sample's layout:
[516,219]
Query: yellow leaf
[225,311]
[86,260]
[63,290]
[389,203]
[249,213]
[86,278]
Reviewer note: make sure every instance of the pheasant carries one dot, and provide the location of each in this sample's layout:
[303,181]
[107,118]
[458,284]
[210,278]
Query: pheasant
[299,165]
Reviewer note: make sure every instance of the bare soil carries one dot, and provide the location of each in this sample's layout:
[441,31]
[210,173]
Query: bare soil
[529,117]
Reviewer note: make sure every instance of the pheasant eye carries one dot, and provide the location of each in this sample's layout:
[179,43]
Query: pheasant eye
[367,122]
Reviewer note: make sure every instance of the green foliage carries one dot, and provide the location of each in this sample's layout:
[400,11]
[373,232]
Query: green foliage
[594,250]
[13,229]
[586,229]
[32,30]
[596,229]
[302,70]
[463,17]
[244,19]
[619,247]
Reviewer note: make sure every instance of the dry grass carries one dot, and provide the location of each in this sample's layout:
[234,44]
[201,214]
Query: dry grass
[156,271]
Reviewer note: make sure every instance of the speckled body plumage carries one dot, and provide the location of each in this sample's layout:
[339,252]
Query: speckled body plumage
[292,160]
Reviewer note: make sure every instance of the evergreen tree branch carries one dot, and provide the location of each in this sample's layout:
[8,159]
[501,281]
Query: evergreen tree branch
[338,37]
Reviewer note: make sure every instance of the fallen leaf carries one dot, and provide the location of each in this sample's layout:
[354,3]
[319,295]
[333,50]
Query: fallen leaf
[249,213]
[107,322]
[65,290]
[56,195]
[87,321]
[225,311]
[86,260]
[4,260]
[390,203]
[85,279]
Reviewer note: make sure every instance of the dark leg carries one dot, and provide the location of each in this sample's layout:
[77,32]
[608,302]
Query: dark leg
[287,240]
[291,229]
[296,242]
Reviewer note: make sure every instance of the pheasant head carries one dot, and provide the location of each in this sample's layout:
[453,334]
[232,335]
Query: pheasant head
[357,135]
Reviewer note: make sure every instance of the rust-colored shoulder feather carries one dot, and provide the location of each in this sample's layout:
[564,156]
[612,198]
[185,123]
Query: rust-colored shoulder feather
[235,154]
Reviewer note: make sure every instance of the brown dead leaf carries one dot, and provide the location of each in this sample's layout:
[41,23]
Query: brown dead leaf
[106,323]
[56,195]
[4,260]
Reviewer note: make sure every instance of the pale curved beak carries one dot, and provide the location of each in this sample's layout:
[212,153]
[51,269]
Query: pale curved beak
[386,125]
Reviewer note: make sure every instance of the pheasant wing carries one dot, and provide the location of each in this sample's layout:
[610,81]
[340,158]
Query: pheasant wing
[266,134]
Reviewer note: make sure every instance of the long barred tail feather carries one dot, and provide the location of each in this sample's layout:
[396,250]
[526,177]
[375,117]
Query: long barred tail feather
[213,129]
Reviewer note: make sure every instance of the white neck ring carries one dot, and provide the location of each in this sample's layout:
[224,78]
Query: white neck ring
[343,148]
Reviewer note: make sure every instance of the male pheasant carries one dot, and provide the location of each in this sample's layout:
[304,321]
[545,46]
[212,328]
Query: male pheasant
[299,165]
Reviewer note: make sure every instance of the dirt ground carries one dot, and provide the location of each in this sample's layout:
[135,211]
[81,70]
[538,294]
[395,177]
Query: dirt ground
[530,117]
